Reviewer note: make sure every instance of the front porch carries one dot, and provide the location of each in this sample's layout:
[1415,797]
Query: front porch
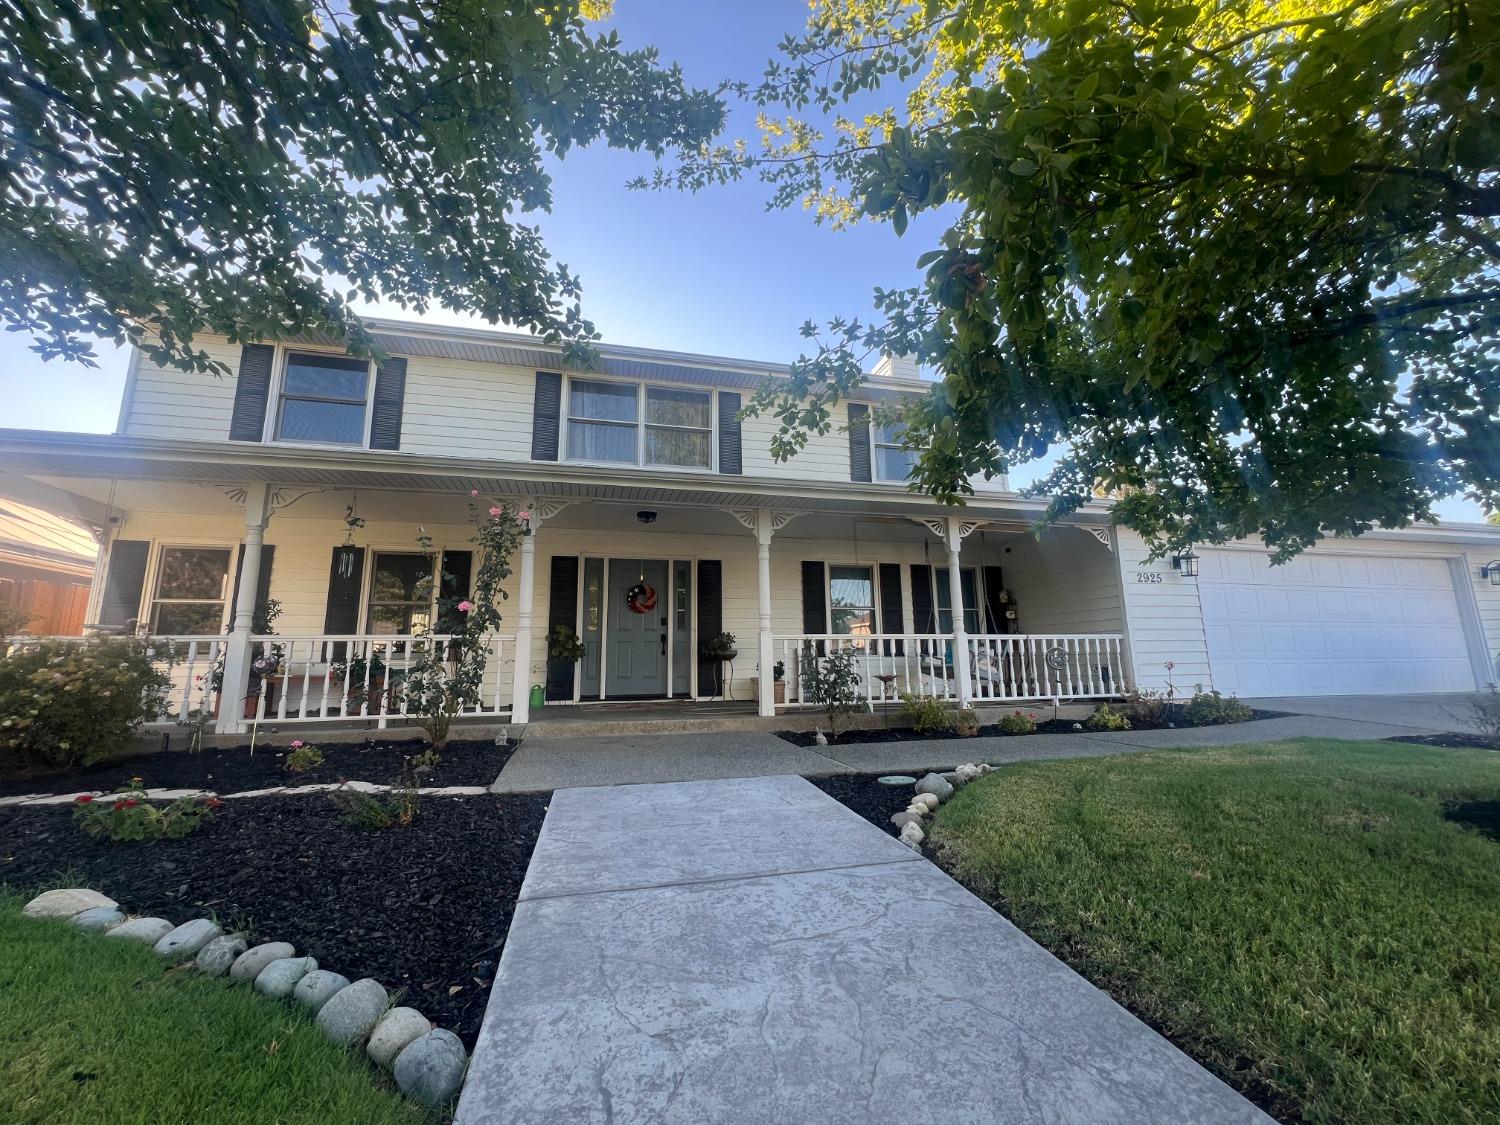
[642,578]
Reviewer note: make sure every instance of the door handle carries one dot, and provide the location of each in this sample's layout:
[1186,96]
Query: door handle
[664,644]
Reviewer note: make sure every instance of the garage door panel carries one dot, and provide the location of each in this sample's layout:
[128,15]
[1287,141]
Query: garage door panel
[1340,624]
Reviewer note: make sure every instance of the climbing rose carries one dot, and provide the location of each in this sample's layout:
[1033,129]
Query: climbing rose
[523,515]
[473,493]
[496,513]
[465,606]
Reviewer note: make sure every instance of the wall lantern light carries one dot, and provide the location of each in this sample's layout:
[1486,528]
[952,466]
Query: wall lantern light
[1185,562]
[1491,570]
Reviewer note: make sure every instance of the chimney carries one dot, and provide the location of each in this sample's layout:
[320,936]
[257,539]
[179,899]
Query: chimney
[898,367]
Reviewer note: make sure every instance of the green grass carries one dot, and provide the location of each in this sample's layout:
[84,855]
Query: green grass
[93,1030]
[1297,916]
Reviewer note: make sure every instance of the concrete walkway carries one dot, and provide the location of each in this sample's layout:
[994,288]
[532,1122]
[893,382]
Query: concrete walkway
[560,763]
[751,951]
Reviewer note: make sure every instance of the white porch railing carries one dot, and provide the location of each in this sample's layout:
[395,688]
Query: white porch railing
[1003,668]
[318,678]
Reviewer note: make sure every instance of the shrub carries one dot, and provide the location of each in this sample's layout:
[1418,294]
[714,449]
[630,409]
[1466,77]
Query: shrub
[1017,723]
[1149,708]
[14,620]
[70,703]
[1106,717]
[832,682]
[1484,713]
[925,714]
[128,816]
[367,810]
[303,757]
[1209,708]
[966,722]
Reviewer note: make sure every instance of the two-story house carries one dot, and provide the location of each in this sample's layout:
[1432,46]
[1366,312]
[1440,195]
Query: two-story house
[658,520]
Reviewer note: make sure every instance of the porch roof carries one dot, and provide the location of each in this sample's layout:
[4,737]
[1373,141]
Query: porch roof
[35,453]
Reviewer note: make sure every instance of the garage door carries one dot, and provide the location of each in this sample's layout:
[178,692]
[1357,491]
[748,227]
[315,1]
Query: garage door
[1332,624]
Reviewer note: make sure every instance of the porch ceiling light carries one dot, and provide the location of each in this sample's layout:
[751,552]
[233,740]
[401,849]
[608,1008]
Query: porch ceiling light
[646,516]
[1491,570]
[1185,562]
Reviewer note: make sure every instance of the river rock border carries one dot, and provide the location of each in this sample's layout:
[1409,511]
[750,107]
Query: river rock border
[427,1062]
[931,791]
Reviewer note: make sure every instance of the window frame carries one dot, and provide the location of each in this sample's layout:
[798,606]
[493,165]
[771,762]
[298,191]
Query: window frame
[642,387]
[876,445]
[276,400]
[367,598]
[874,607]
[151,588]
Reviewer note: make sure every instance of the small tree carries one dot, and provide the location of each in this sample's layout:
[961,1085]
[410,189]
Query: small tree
[447,675]
[833,683]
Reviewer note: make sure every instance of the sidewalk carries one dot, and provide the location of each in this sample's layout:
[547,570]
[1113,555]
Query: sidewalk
[561,763]
[751,951]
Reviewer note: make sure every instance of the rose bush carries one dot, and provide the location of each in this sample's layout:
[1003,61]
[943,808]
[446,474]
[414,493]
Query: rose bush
[71,703]
[129,817]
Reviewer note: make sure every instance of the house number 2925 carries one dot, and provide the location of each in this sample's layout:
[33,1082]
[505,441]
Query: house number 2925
[1148,576]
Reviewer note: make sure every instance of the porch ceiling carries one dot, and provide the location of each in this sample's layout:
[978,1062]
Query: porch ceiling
[29,453]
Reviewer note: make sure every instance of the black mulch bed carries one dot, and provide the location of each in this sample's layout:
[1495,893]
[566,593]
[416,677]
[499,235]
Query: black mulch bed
[237,769]
[1048,726]
[861,792]
[1477,742]
[422,909]
[1481,815]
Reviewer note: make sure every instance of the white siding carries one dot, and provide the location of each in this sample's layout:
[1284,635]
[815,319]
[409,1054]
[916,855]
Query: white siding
[163,402]
[1064,582]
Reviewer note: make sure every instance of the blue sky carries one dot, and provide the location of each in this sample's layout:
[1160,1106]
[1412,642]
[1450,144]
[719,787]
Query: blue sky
[713,272]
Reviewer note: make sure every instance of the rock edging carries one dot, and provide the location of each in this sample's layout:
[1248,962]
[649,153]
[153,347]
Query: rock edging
[931,791]
[427,1063]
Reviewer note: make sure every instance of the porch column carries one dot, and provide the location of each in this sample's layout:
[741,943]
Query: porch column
[767,657]
[236,683]
[520,688]
[953,536]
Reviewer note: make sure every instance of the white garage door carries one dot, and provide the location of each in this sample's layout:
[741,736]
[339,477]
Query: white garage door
[1332,624]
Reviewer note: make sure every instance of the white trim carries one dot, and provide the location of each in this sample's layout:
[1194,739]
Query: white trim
[127,394]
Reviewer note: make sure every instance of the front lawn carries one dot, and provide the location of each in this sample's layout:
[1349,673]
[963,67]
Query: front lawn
[1300,917]
[98,1030]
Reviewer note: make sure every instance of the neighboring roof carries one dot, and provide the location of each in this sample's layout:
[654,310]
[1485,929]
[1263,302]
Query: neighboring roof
[30,533]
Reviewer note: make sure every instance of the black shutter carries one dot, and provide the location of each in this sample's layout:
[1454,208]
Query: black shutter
[815,601]
[251,390]
[892,620]
[994,612]
[562,609]
[859,442]
[121,603]
[710,623]
[346,576]
[457,566]
[731,455]
[262,583]
[923,619]
[389,404]
[546,415]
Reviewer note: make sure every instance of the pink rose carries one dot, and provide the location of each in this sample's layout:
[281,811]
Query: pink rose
[523,515]
[496,513]
[473,493]
[465,606]
[297,744]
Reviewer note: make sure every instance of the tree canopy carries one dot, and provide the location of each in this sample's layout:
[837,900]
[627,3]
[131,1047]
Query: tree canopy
[169,169]
[1241,258]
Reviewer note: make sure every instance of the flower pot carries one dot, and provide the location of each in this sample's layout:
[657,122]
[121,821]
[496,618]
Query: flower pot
[780,691]
[365,700]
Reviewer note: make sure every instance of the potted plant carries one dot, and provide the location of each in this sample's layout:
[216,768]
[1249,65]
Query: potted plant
[352,673]
[721,648]
[563,643]
[779,672]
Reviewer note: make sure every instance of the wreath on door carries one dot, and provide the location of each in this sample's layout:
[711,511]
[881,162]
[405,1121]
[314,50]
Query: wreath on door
[640,598]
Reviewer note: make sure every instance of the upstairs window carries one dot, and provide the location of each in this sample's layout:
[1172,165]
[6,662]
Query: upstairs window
[191,588]
[892,462]
[628,424]
[323,399]
[677,427]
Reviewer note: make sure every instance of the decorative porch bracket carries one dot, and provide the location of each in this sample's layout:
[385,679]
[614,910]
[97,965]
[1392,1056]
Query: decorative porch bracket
[256,500]
[953,530]
[765,523]
[541,510]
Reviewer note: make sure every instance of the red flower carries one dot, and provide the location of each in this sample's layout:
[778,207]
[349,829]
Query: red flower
[212,802]
[128,802]
[83,798]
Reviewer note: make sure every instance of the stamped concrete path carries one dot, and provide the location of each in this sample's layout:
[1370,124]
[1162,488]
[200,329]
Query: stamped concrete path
[750,951]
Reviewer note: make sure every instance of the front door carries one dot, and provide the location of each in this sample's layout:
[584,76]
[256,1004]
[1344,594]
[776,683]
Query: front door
[639,608]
